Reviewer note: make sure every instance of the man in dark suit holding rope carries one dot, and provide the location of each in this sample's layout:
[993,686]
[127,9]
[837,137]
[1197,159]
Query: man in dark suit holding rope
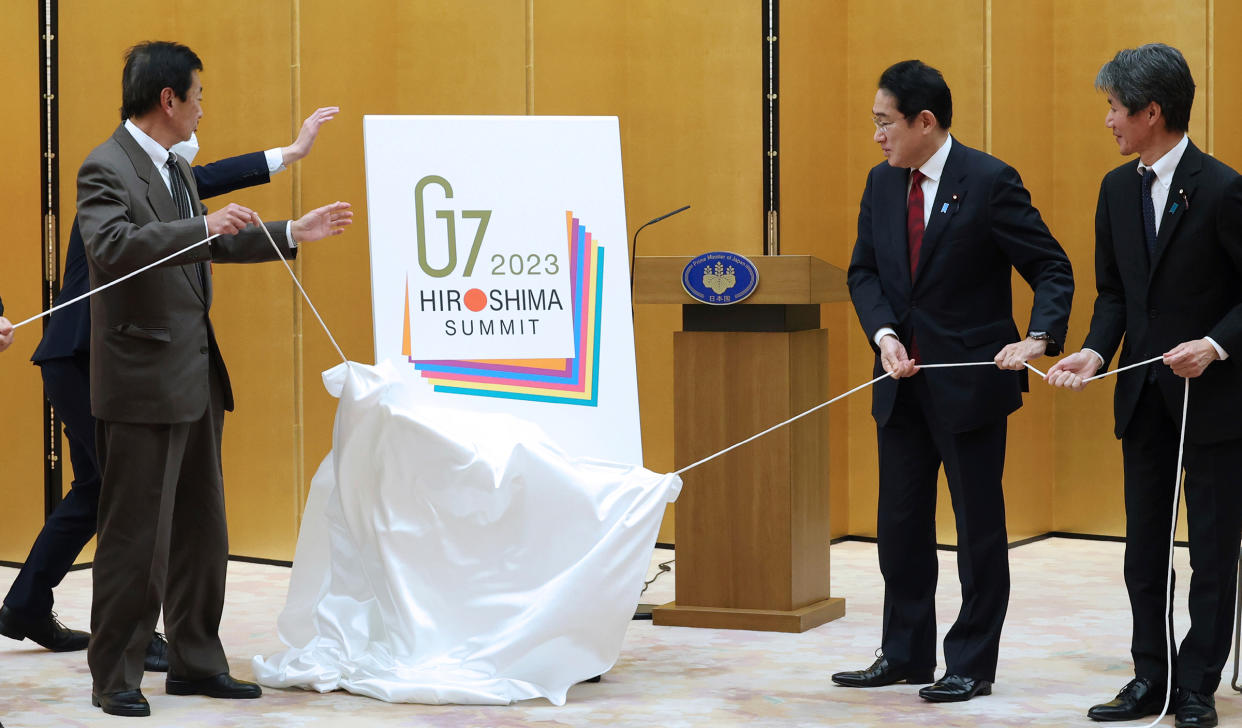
[1168,232]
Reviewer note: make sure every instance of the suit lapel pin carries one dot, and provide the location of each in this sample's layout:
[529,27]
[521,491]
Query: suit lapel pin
[1185,199]
[955,201]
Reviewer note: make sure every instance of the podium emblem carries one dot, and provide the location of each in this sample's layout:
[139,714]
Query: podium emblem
[719,278]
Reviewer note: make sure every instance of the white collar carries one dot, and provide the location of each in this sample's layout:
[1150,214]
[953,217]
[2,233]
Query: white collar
[1167,165]
[154,150]
[933,168]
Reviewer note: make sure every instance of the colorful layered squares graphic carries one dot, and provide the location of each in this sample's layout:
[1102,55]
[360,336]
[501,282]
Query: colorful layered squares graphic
[558,381]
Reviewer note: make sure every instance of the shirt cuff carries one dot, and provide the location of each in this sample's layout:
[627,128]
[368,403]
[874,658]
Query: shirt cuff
[1097,356]
[1219,351]
[882,333]
[275,160]
[293,244]
[206,230]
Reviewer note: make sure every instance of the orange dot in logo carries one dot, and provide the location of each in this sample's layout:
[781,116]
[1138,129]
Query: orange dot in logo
[475,299]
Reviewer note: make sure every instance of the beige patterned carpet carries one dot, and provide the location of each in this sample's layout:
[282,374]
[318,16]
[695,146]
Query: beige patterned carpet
[1065,648]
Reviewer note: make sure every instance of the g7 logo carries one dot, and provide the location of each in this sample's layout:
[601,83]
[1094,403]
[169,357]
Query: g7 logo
[483,216]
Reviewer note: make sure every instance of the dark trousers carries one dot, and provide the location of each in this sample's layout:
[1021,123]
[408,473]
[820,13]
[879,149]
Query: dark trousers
[913,446]
[162,540]
[1213,489]
[66,382]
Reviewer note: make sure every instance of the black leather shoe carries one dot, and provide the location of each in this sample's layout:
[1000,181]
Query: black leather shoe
[955,689]
[126,702]
[881,673]
[216,686]
[156,659]
[1195,710]
[46,631]
[1138,699]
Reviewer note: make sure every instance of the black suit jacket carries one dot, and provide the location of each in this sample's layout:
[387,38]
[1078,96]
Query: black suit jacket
[959,306]
[68,331]
[1192,289]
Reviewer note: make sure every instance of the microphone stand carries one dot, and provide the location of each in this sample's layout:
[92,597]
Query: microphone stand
[644,610]
[634,244]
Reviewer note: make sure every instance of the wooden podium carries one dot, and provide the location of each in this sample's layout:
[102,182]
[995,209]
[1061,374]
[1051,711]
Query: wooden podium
[752,527]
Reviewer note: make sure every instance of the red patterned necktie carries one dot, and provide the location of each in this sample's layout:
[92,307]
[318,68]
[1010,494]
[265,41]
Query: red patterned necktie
[914,219]
[914,234]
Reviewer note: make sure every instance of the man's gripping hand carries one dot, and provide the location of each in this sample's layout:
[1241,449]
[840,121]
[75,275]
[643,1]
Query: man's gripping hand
[894,359]
[1073,371]
[230,219]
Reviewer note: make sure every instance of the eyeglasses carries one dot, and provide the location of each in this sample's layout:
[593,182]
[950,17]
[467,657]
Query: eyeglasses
[882,126]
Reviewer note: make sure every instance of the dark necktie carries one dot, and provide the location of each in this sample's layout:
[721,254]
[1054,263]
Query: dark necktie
[181,196]
[914,219]
[176,185]
[1149,214]
[914,234]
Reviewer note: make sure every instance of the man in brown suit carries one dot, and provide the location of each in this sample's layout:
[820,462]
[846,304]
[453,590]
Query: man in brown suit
[159,388]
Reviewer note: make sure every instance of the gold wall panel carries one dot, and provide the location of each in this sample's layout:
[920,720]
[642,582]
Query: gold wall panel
[1021,82]
[1088,491]
[20,274]
[818,208]
[1221,91]
[685,80]
[245,50]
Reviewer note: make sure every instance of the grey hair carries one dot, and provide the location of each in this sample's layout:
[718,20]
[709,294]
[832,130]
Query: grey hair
[1153,72]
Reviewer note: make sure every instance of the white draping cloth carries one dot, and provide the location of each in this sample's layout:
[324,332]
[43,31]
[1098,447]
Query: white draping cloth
[455,557]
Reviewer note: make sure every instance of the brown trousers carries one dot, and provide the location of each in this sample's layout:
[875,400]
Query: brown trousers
[163,541]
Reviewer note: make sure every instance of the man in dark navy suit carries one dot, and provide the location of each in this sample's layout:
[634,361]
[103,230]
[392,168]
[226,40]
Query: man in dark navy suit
[1168,256]
[941,228]
[63,357]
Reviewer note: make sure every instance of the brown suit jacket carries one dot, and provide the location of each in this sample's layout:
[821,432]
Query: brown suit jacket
[152,343]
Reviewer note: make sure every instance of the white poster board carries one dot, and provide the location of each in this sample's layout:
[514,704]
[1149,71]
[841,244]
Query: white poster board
[499,270]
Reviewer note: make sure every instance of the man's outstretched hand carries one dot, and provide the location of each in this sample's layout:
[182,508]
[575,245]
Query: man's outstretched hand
[306,136]
[322,222]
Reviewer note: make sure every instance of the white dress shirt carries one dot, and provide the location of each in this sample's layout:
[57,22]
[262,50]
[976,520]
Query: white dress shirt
[933,170]
[1164,169]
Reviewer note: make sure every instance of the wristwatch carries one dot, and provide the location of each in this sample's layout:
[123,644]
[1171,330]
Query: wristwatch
[1040,336]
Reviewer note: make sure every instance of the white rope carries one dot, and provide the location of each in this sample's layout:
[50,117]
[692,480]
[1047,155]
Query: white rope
[298,283]
[167,258]
[1168,584]
[950,366]
[821,406]
[777,427]
[125,277]
[1122,369]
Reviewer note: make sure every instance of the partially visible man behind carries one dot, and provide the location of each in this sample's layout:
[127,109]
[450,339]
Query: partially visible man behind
[159,388]
[1168,237]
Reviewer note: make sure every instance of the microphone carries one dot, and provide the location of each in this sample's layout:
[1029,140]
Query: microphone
[634,243]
